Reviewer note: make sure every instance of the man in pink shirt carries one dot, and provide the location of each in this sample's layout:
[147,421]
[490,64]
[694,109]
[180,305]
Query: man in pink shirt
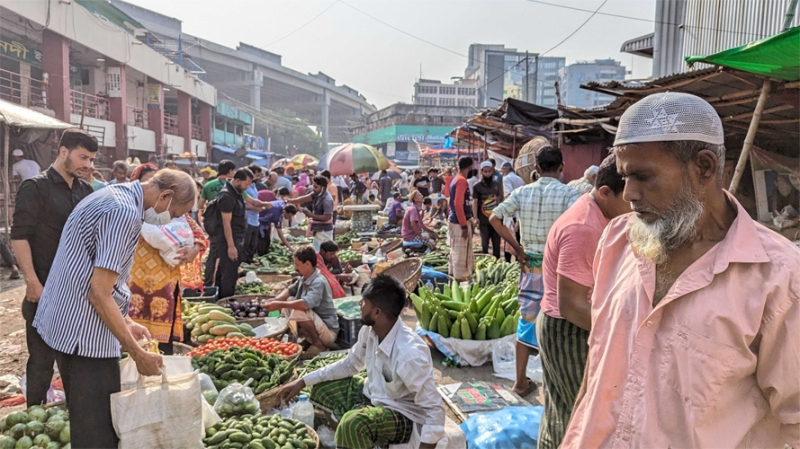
[563,325]
[695,308]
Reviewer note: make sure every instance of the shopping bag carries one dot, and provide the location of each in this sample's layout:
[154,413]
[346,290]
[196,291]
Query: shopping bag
[169,238]
[162,412]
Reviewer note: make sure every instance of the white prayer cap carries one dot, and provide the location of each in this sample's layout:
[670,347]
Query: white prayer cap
[18,152]
[591,171]
[670,116]
[486,164]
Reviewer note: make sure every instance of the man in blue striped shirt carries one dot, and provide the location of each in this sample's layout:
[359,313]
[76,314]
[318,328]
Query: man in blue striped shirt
[83,309]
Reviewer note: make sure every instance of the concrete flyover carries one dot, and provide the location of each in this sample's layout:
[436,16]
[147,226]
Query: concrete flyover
[256,77]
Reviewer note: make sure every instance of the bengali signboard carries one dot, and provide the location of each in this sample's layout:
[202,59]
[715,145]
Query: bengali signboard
[14,49]
[154,93]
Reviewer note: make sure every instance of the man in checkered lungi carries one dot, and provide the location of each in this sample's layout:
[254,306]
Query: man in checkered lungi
[399,392]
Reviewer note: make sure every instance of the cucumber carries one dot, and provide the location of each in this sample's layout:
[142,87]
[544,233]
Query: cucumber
[455,330]
[466,332]
[443,326]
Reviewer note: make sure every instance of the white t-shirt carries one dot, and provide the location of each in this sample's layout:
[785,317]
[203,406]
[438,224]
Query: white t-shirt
[26,169]
[402,183]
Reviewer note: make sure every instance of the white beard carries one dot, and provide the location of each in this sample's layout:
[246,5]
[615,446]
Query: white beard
[671,230]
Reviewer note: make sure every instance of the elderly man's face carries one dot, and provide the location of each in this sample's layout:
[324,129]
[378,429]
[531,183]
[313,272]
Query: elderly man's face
[660,190]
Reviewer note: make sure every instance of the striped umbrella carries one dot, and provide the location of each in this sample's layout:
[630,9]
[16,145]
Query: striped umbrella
[353,158]
[299,161]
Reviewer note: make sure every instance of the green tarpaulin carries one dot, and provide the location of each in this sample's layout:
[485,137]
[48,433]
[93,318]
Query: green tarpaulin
[776,57]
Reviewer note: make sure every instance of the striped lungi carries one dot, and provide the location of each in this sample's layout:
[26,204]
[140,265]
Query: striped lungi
[462,259]
[371,427]
[563,348]
[341,396]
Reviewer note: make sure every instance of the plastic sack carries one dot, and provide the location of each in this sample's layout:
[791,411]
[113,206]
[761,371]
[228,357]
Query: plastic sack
[160,412]
[509,428]
[464,352]
[327,437]
[504,361]
[236,400]
[169,239]
[173,365]
[207,388]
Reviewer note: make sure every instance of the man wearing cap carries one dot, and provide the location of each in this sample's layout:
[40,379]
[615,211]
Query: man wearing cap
[24,168]
[486,195]
[585,184]
[695,307]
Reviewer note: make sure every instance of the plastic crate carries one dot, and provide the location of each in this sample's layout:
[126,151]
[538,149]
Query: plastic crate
[211,295]
[348,331]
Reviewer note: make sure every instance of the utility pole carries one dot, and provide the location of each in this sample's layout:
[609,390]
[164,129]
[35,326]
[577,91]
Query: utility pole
[527,78]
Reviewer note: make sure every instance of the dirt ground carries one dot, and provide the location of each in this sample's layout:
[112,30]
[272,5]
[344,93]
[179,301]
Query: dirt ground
[13,352]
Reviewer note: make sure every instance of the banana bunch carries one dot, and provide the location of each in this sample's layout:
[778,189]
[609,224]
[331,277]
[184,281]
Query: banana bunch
[489,270]
[472,313]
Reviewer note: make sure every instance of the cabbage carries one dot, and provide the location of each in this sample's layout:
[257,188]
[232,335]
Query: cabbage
[37,413]
[34,428]
[53,445]
[24,443]
[7,442]
[41,440]
[18,431]
[64,435]
[53,427]
[16,418]
[3,425]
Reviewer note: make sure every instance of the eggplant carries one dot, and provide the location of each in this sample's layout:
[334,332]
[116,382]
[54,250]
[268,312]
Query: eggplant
[251,315]
[235,305]
[262,314]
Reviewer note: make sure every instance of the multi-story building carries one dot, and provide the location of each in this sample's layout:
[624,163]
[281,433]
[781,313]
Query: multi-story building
[600,70]
[399,130]
[505,72]
[83,62]
[703,27]
[435,93]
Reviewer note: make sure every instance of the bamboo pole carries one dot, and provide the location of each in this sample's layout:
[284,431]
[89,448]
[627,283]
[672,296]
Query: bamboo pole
[751,134]
[6,188]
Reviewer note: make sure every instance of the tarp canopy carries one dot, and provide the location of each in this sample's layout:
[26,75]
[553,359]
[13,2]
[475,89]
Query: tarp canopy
[776,57]
[521,113]
[21,117]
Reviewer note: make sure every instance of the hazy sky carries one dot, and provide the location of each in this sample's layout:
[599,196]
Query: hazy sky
[383,63]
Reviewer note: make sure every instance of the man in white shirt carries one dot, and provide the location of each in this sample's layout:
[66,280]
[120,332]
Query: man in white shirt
[400,391]
[511,181]
[24,168]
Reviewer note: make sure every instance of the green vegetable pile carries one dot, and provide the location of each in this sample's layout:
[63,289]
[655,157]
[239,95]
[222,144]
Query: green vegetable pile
[252,288]
[319,362]
[240,364]
[473,313]
[346,238]
[210,321]
[36,427]
[259,432]
[349,255]
[489,270]
[436,260]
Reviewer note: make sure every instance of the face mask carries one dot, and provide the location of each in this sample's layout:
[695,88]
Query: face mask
[158,218]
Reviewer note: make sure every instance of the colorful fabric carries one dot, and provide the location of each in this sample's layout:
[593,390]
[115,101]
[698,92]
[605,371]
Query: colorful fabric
[341,396]
[155,288]
[712,363]
[563,348]
[531,290]
[337,291]
[538,206]
[570,249]
[526,333]
[372,427]
[462,259]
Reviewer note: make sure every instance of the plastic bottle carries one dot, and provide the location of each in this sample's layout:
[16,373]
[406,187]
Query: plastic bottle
[429,285]
[303,410]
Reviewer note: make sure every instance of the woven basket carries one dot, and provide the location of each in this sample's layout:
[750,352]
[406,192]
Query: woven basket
[271,399]
[272,278]
[179,348]
[387,247]
[295,232]
[526,159]
[255,322]
[408,271]
[313,435]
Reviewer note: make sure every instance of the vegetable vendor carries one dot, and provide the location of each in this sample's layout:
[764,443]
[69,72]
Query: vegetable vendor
[310,303]
[415,233]
[400,391]
[329,261]
[274,216]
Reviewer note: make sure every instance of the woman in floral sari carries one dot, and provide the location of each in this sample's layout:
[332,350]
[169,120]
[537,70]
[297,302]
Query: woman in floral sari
[156,286]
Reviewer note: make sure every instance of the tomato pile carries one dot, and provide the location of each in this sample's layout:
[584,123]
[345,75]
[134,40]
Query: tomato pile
[263,345]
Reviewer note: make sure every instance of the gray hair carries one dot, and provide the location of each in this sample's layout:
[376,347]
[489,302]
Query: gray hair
[685,150]
[120,164]
[181,184]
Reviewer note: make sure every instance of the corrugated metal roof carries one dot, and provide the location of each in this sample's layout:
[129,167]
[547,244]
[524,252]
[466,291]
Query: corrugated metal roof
[22,117]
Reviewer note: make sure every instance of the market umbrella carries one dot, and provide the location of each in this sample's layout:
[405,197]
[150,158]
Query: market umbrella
[353,158]
[298,162]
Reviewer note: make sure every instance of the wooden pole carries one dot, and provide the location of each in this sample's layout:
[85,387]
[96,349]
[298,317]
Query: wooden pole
[751,135]
[6,188]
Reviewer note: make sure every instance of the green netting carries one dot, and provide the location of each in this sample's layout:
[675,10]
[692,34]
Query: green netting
[776,57]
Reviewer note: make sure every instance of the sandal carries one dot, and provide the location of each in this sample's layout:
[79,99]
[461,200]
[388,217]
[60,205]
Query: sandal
[529,389]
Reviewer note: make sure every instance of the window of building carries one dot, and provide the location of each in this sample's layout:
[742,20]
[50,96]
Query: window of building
[447,101]
[447,90]
[427,90]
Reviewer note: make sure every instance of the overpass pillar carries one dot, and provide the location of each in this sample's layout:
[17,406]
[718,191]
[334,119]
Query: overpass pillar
[326,105]
[255,89]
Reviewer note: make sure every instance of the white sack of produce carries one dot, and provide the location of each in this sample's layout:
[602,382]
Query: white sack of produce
[169,239]
[173,365]
[167,412]
[465,352]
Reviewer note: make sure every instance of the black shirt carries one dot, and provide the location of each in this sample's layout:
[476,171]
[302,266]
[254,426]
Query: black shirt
[488,197]
[437,184]
[229,201]
[423,189]
[260,186]
[43,205]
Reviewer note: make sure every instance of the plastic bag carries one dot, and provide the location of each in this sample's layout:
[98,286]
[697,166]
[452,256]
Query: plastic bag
[160,412]
[509,428]
[504,361]
[169,239]
[327,437]
[173,365]
[236,400]
[464,352]
[207,388]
